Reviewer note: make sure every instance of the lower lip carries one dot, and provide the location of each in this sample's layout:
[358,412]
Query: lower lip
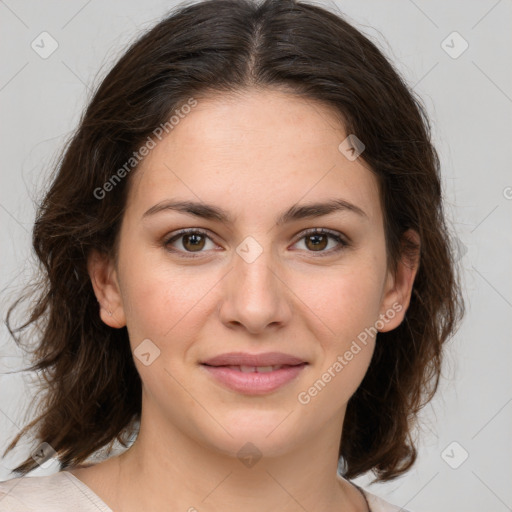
[254,383]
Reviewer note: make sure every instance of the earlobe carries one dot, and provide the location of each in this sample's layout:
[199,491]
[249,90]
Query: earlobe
[104,281]
[399,285]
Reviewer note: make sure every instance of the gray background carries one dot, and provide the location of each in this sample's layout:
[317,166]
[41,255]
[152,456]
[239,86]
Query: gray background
[469,99]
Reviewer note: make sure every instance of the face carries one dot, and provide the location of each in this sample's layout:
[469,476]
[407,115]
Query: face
[251,276]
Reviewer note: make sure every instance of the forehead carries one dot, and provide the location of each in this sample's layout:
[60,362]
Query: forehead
[254,152]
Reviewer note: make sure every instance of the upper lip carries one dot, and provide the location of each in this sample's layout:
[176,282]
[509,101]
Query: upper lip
[246,359]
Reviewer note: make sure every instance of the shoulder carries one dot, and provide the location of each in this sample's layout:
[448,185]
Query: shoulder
[379,505]
[58,492]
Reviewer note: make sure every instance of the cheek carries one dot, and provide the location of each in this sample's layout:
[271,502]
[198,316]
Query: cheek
[344,301]
[348,307]
[160,300]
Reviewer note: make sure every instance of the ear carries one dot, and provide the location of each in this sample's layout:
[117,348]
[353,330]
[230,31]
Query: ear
[106,288]
[398,287]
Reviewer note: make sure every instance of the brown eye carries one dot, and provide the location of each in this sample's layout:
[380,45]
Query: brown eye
[193,242]
[316,242]
[188,241]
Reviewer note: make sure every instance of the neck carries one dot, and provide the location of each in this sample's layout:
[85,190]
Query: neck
[168,468]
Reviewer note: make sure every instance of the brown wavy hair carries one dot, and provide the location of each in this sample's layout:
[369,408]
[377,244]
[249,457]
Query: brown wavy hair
[91,394]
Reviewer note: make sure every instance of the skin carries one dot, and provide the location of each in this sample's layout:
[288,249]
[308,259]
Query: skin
[255,155]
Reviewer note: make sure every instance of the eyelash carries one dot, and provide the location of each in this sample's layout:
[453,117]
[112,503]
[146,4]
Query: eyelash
[310,232]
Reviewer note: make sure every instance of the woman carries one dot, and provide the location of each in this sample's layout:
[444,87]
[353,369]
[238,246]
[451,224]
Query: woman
[246,268]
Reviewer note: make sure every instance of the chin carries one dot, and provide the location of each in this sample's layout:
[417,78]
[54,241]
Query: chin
[257,433]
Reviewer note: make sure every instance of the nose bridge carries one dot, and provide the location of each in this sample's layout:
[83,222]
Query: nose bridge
[256,296]
[253,270]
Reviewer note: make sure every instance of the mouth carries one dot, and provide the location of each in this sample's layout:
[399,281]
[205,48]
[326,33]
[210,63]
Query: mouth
[254,374]
[255,369]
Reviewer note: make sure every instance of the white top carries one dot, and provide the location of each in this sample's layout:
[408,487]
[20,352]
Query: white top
[63,491]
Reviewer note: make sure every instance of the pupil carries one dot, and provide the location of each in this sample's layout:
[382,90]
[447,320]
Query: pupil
[316,243]
[196,241]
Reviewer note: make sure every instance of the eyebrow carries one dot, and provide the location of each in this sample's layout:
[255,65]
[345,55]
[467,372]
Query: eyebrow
[296,212]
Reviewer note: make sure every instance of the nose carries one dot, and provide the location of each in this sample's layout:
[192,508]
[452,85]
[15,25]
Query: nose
[255,296]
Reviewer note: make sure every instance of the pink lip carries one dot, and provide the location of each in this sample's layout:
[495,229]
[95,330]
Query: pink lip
[254,383]
[245,359]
